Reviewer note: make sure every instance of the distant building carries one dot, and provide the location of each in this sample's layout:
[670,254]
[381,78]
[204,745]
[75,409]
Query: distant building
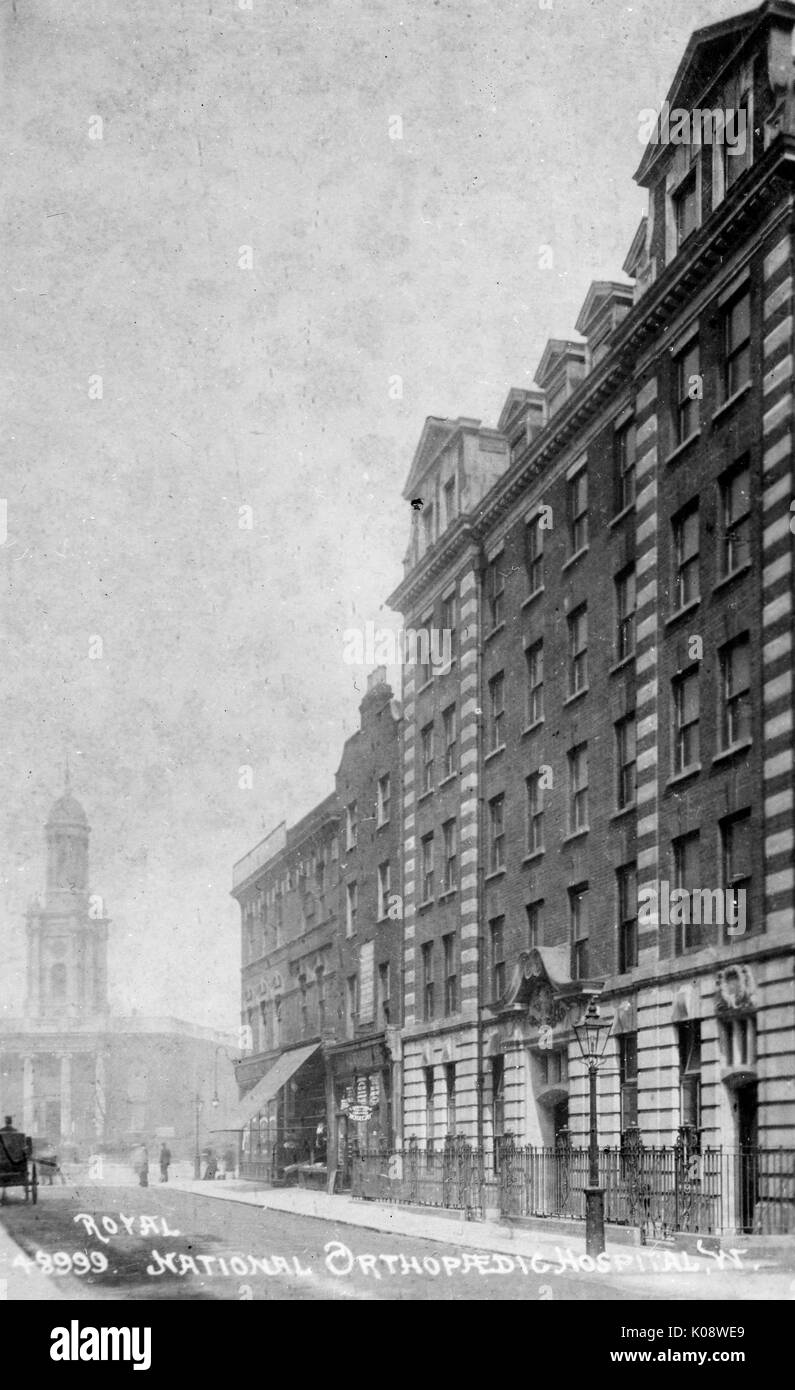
[72,1071]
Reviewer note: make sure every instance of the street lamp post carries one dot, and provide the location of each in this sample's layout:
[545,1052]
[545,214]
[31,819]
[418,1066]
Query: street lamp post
[216,1102]
[197,1160]
[592,1034]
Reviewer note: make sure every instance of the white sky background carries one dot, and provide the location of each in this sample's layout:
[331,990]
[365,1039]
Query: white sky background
[266,387]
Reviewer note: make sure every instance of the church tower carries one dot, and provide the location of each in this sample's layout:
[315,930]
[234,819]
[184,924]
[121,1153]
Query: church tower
[68,936]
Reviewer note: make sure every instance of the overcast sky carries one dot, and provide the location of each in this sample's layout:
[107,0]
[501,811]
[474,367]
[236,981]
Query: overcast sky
[266,387]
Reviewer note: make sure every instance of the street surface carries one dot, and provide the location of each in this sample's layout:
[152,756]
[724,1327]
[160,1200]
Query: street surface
[90,1241]
[226,1250]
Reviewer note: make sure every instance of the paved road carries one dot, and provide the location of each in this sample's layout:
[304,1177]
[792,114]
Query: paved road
[179,1245]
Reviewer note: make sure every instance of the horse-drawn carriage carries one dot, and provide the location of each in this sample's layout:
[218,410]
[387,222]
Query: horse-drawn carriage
[17,1164]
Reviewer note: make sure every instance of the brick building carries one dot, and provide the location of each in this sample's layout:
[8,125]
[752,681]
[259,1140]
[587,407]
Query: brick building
[288,891]
[365,1064]
[616,722]
[322,943]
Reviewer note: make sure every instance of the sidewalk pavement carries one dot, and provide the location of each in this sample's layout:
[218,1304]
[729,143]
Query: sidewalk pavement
[637,1271]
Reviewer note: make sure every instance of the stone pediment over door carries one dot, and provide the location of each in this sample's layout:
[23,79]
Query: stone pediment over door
[542,989]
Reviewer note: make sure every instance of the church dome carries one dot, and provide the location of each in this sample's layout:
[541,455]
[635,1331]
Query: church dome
[67,811]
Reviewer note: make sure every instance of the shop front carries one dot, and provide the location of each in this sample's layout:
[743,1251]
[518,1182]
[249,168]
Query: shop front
[284,1121]
[361,1104]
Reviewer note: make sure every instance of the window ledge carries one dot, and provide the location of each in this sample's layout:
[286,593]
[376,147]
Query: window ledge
[680,612]
[384,825]
[421,907]
[680,448]
[683,776]
[495,631]
[732,752]
[532,597]
[578,694]
[448,893]
[531,728]
[621,516]
[426,685]
[424,796]
[495,873]
[619,666]
[495,753]
[452,777]
[735,574]
[727,405]
[625,810]
[576,835]
[578,554]
[531,858]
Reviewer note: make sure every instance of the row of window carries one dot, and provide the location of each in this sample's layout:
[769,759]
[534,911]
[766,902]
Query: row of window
[733,543]
[383,1001]
[692,924]
[437,516]
[265,1022]
[439,998]
[737,1039]
[685,197]
[431,1105]
[735,731]
[734,375]
[384,872]
[382,812]
[732,548]
[737,1048]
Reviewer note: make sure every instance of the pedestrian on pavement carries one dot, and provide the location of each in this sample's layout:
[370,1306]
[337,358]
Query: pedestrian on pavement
[141,1164]
[212,1165]
[165,1159]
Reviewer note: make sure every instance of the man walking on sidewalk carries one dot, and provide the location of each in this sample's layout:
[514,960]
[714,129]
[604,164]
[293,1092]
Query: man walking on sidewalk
[165,1159]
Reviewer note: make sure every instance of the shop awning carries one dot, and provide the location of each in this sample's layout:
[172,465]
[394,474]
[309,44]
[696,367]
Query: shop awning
[267,1087]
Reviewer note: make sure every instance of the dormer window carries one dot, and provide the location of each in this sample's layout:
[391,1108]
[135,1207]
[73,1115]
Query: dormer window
[738,142]
[449,501]
[685,207]
[427,525]
[558,398]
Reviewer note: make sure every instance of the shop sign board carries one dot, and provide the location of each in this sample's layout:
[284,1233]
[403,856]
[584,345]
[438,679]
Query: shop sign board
[359,1113]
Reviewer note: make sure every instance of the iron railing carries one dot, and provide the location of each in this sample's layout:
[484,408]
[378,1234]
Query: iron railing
[260,1169]
[452,1177]
[660,1190]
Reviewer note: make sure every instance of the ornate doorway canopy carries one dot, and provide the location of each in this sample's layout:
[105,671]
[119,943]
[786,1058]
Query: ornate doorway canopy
[542,990]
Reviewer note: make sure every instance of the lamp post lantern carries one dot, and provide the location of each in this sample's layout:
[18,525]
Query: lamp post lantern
[592,1033]
[197,1159]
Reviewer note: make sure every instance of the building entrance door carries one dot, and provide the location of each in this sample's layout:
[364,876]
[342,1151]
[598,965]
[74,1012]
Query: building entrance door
[748,1136]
